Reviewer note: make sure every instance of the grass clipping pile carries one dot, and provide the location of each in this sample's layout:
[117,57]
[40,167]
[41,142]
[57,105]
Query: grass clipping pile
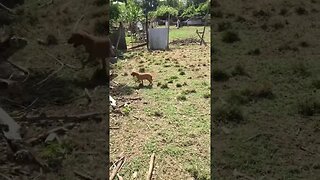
[52,113]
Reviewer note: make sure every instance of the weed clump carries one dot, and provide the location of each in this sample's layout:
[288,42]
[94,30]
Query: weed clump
[52,40]
[230,37]
[164,86]
[239,70]
[316,83]
[254,52]
[309,106]
[186,92]
[283,12]
[258,92]
[300,69]
[222,26]
[301,11]
[158,114]
[181,98]
[219,75]
[304,44]
[228,113]
[207,96]
[142,70]
[178,85]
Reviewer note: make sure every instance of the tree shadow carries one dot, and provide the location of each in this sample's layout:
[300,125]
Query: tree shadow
[122,90]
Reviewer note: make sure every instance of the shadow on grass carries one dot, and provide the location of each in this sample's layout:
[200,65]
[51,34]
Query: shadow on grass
[55,91]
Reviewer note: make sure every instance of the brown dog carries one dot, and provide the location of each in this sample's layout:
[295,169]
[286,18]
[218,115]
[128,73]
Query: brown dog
[97,47]
[143,76]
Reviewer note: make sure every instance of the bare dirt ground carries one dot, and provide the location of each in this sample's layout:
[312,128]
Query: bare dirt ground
[83,145]
[171,118]
[266,103]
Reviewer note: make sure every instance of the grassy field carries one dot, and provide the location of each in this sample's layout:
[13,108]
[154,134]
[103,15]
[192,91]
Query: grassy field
[172,118]
[266,89]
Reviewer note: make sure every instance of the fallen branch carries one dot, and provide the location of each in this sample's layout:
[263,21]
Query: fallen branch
[50,75]
[82,175]
[5,177]
[140,45]
[119,177]
[47,4]
[21,69]
[77,23]
[7,9]
[257,135]
[117,168]
[67,65]
[151,165]
[239,174]
[87,95]
[58,130]
[79,117]
[8,82]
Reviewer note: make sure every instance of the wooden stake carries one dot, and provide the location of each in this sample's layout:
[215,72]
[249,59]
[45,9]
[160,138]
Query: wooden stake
[151,165]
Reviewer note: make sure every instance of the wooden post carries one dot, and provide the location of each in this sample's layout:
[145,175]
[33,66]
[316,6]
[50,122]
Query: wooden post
[147,33]
[168,31]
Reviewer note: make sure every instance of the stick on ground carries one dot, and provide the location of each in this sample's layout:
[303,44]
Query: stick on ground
[151,166]
[7,9]
[117,168]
